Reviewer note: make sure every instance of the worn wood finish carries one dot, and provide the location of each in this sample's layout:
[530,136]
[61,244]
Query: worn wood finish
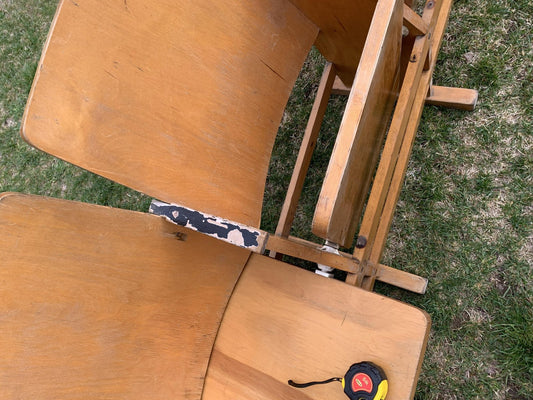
[244,236]
[344,26]
[286,323]
[104,303]
[362,129]
[306,151]
[179,100]
[309,251]
[459,98]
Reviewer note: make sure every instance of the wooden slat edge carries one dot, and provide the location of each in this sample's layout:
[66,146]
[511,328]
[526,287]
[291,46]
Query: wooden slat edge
[309,251]
[306,151]
[401,279]
[25,115]
[414,22]
[406,147]
[313,252]
[340,201]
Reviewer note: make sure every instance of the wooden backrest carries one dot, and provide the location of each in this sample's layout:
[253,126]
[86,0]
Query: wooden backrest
[180,100]
[104,303]
[362,129]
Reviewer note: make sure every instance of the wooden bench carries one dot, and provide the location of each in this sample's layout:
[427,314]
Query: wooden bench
[107,303]
[181,100]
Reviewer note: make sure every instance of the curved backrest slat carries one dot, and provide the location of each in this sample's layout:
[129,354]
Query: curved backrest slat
[180,100]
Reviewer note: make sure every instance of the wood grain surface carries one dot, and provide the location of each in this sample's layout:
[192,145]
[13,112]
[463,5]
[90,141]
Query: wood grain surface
[362,129]
[284,323]
[178,100]
[344,26]
[100,303]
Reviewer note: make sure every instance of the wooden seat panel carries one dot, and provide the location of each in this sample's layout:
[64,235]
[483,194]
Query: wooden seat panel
[285,323]
[103,303]
[180,100]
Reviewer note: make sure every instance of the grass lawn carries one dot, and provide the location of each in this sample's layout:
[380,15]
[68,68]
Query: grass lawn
[465,215]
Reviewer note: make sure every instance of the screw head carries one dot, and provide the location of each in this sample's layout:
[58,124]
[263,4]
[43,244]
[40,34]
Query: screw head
[360,242]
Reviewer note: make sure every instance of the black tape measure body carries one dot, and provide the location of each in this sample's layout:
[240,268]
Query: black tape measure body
[365,381]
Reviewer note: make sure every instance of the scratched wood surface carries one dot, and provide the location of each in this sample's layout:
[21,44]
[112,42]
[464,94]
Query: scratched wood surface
[286,323]
[99,303]
[362,129]
[179,100]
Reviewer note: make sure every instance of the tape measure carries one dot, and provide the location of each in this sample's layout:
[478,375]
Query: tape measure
[363,381]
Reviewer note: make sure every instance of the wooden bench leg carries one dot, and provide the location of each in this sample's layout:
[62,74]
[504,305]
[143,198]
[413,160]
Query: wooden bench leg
[459,98]
[304,156]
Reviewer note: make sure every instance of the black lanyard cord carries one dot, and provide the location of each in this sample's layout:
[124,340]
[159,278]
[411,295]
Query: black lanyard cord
[303,385]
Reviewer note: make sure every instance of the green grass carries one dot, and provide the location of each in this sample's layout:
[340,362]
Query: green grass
[464,217]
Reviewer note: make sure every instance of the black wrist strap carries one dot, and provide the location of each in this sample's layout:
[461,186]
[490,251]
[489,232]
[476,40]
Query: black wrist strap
[303,385]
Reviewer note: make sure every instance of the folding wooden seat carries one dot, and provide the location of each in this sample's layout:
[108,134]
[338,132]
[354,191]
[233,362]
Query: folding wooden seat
[106,303]
[181,100]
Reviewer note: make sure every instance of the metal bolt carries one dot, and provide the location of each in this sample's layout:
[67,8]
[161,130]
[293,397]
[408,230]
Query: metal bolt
[360,242]
[413,58]
[430,4]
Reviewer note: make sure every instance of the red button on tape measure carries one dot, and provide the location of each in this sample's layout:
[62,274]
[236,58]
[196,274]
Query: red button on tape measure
[365,381]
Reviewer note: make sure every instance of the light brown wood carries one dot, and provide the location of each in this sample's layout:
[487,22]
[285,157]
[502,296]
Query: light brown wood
[399,278]
[407,144]
[306,151]
[344,26]
[451,97]
[179,100]
[362,129]
[340,88]
[286,323]
[413,21]
[309,251]
[100,303]
[436,15]
[244,236]
[395,136]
